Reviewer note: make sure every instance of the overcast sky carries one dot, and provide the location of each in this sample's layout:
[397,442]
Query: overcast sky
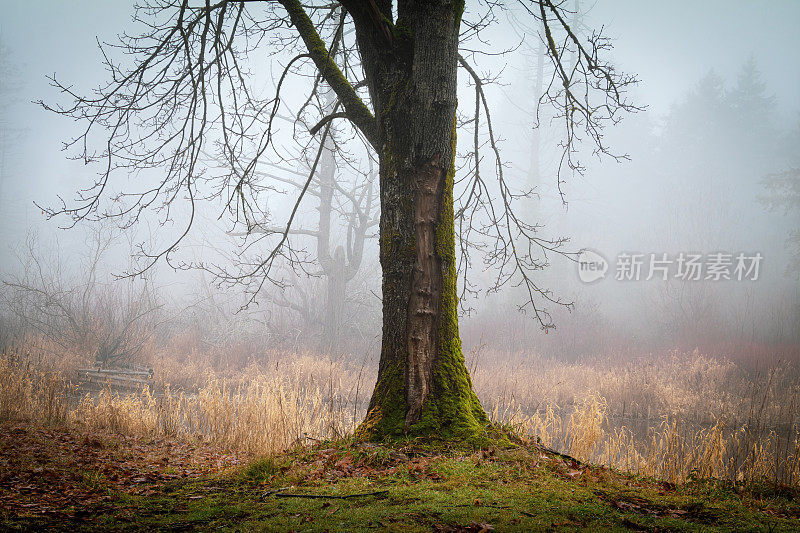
[669,45]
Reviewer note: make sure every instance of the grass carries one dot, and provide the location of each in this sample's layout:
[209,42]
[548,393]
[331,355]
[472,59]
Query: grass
[676,441]
[674,417]
[520,488]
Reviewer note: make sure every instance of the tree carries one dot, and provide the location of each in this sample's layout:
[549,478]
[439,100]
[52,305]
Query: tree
[79,312]
[351,201]
[9,87]
[393,68]
[783,194]
[753,112]
[542,118]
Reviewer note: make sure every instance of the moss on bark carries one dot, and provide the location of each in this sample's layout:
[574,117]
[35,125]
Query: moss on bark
[452,409]
[387,414]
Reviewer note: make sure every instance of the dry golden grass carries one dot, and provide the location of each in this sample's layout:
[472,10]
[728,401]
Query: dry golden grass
[673,418]
[27,392]
[692,386]
[264,410]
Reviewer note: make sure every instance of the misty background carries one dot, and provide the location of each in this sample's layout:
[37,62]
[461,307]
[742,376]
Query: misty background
[722,125]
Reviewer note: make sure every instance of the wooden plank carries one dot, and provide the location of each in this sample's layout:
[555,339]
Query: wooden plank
[100,371]
[118,379]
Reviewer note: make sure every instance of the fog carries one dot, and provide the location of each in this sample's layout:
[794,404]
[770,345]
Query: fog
[698,173]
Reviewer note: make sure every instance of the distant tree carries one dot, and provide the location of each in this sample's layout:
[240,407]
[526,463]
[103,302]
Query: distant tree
[542,75]
[752,111]
[726,141]
[783,194]
[696,124]
[108,322]
[716,145]
[9,90]
[393,68]
[341,200]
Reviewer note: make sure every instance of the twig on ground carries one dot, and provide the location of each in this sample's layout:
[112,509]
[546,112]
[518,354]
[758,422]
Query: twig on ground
[279,494]
[554,452]
[274,491]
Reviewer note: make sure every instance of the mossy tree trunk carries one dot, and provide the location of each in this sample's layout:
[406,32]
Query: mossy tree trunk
[410,67]
[423,386]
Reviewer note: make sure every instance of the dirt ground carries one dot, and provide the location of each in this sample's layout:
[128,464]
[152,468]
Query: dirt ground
[67,472]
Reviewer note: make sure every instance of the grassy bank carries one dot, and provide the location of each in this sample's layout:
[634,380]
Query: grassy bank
[122,484]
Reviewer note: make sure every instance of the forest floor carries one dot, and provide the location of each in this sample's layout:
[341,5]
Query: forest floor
[67,478]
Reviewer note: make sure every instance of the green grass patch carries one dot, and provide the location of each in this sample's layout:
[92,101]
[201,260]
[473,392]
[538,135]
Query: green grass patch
[424,489]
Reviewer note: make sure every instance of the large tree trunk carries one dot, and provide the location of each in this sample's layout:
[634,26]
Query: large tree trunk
[423,386]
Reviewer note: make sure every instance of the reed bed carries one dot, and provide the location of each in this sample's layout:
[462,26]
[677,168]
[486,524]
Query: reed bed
[262,418]
[28,392]
[677,417]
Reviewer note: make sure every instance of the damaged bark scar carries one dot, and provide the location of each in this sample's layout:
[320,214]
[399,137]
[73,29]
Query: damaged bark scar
[426,288]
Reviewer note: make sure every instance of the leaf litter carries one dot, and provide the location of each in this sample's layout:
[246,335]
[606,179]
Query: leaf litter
[68,472]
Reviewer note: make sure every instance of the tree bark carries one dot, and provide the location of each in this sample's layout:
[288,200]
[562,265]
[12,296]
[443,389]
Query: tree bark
[423,386]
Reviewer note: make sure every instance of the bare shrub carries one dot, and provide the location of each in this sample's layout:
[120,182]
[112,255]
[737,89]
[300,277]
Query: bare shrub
[78,312]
